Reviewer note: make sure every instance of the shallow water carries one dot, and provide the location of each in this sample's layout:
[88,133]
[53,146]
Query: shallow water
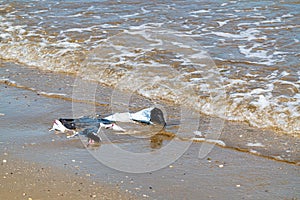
[237,60]
[35,98]
[224,173]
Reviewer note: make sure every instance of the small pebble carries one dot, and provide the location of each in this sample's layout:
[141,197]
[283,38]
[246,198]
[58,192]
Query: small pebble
[4,161]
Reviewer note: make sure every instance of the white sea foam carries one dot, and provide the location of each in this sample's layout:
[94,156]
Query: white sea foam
[259,90]
[76,15]
[227,35]
[287,15]
[129,16]
[39,11]
[248,52]
[80,30]
[200,11]
[145,10]
[5,35]
[275,20]
[261,102]
[222,23]
[106,26]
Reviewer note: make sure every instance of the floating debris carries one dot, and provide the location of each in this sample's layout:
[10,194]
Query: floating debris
[4,161]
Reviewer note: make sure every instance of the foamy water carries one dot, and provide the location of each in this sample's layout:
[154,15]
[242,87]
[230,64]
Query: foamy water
[237,60]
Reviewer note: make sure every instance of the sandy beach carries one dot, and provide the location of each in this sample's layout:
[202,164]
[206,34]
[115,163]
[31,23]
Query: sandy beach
[225,75]
[37,164]
[28,180]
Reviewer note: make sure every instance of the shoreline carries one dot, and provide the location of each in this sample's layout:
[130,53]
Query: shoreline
[20,179]
[224,173]
[260,142]
[72,76]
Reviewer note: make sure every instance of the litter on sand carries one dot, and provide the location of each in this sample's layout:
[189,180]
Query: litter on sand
[90,127]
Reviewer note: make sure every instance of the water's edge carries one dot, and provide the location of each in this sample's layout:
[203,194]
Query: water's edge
[238,136]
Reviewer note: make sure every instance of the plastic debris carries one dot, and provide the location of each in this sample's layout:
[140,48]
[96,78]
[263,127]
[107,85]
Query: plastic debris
[91,127]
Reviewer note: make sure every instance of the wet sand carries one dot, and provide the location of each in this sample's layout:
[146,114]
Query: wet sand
[21,179]
[40,161]
[236,135]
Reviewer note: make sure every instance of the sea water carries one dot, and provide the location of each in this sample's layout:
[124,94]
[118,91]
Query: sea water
[236,60]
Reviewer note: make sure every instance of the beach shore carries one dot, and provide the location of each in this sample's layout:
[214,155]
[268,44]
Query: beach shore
[37,164]
[21,179]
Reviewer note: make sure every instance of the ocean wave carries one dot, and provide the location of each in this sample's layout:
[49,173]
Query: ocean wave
[168,56]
